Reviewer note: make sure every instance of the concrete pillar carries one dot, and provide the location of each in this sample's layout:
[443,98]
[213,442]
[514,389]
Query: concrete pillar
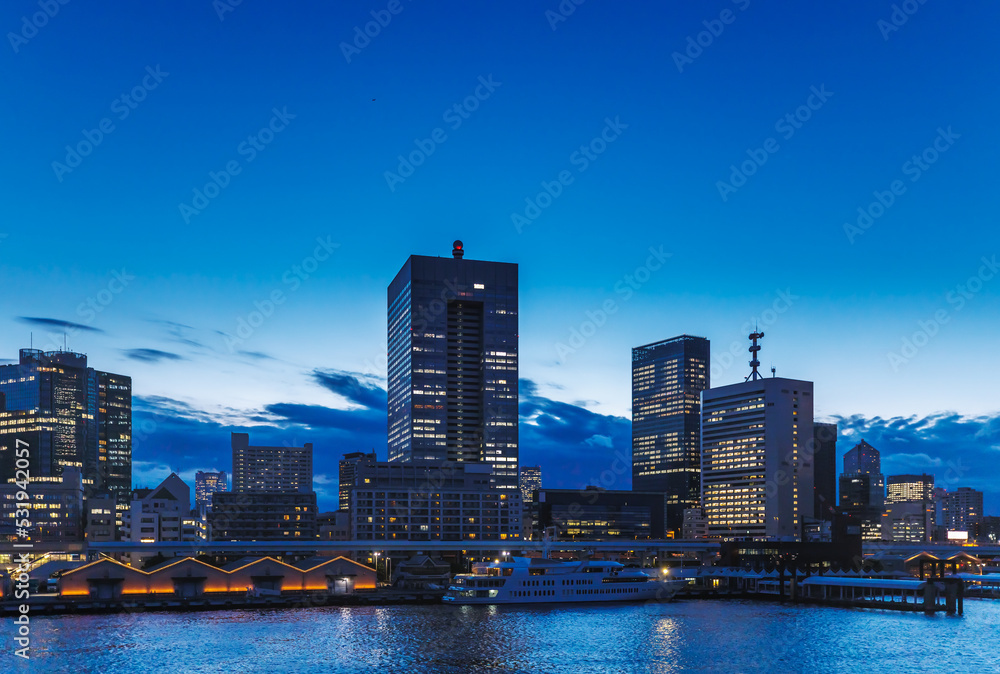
[930,597]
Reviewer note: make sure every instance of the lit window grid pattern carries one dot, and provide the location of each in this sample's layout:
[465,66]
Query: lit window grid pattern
[667,380]
[737,470]
[909,488]
[70,415]
[424,385]
[417,515]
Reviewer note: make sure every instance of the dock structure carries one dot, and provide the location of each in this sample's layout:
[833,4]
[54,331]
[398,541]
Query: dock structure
[893,593]
[981,585]
[885,593]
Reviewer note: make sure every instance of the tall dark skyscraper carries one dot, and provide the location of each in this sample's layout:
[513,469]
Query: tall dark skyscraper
[824,470]
[862,488]
[667,380]
[114,430]
[862,458]
[71,415]
[452,339]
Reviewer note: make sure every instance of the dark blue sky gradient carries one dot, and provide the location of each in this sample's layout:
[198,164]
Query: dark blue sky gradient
[854,299]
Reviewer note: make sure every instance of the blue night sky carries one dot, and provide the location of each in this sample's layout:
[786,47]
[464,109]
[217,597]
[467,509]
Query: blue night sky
[700,188]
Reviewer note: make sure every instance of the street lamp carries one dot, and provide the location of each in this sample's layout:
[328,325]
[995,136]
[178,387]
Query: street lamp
[376,554]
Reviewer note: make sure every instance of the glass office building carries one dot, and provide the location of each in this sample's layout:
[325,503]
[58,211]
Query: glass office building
[452,363]
[667,380]
[71,416]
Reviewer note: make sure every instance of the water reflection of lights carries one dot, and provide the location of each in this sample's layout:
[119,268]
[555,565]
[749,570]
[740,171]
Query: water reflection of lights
[666,628]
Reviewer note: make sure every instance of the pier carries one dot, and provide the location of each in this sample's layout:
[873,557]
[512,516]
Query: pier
[899,594]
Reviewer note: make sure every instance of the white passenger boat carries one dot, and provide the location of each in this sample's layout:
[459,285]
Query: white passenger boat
[542,581]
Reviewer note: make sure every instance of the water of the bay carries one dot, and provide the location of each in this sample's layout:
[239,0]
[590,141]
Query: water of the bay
[681,636]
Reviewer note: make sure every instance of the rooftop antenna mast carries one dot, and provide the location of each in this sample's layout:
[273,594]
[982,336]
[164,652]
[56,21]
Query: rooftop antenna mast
[754,348]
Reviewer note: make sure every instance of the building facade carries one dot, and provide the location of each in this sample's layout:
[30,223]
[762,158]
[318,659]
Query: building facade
[757,475]
[348,475]
[70,416]
[275,469]
[100,525]
[207,483]
[909,488]
[824,470]
[262,516]
[695,524]
[335,526]
[431,501]
[963,510]
[531,480]
[597,514]
[667,380]
[55,508]
[863,458]
[189,578]
[909,514]
[453,363]
[161,514]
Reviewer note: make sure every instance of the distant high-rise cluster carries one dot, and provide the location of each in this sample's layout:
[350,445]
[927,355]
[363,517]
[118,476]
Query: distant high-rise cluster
[862,489]
[741,462]
[68,416]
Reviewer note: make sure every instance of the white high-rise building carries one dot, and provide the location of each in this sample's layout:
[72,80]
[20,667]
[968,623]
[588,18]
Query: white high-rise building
[272,469]
[756,458]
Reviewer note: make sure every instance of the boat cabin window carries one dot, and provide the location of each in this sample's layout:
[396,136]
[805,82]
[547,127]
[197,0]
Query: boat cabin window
[493,571]
[536,572]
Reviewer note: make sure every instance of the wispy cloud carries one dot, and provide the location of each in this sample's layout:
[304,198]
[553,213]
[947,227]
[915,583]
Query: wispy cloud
[151,355]
[178,332]
[56,323]
[256,355]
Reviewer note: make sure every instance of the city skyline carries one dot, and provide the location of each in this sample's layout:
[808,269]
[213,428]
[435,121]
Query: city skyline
[438,335]
[624,197]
